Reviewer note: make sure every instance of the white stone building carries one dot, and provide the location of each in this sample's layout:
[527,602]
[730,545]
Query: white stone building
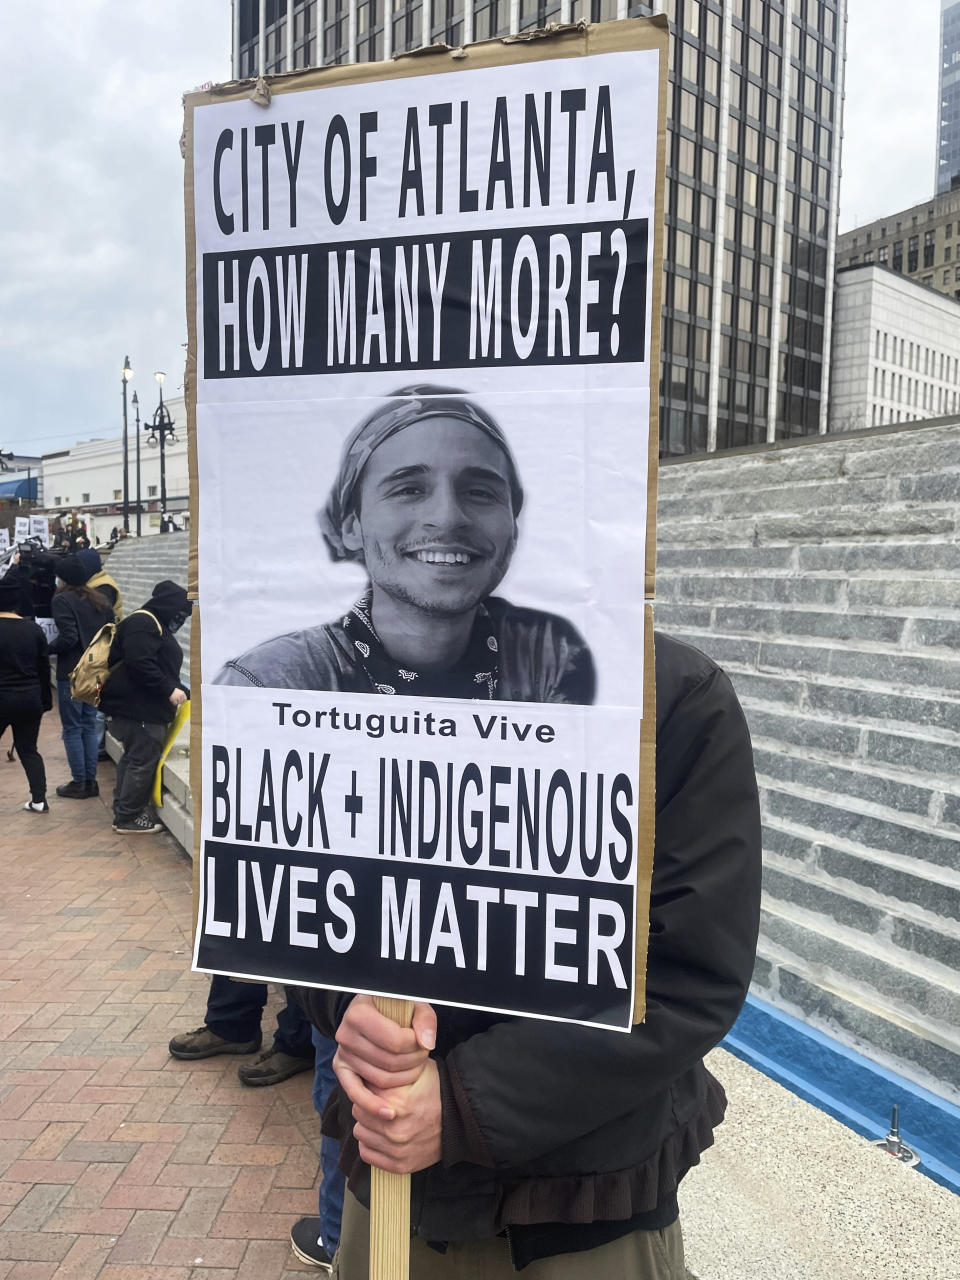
[896,350]
[87,479]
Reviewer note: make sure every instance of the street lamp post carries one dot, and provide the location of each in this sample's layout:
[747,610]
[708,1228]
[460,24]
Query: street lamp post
[162,427]
[126,375]
[136,406]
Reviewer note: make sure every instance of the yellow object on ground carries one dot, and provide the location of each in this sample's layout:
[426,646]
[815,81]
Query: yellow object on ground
[179,720]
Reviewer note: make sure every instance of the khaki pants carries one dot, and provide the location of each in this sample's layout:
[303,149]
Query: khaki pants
[642,1255]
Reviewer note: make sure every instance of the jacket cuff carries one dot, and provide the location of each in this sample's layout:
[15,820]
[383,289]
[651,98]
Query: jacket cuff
[460,1137]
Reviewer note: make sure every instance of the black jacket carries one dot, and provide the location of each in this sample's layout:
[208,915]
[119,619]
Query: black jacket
[24,667]
[78,620]
[549,1122]
[149,659]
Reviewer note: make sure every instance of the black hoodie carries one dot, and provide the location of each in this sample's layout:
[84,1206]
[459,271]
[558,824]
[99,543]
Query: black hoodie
[149,659]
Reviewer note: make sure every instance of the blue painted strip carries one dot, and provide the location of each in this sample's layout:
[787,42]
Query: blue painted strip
[848,1086]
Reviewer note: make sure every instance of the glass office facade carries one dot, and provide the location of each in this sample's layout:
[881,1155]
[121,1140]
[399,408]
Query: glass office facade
[753,166]
[948,142]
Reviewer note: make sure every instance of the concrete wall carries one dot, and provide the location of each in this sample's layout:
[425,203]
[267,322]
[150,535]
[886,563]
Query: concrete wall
[825,578]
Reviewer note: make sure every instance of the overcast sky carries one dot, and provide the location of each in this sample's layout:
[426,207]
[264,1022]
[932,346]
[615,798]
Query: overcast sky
[91,236]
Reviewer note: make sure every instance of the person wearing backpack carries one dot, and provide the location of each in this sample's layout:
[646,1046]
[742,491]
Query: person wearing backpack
[79,613]
[140,697]
[101,581]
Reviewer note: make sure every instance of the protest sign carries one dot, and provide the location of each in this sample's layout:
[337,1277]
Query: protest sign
[40,528]
[21,528]
[4,539]
[423,304]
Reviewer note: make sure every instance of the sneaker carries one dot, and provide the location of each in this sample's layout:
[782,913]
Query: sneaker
[37,806]
[305,1243]
[141,825]
[202,1043]
[273,1066]
[74,791]
[93,787]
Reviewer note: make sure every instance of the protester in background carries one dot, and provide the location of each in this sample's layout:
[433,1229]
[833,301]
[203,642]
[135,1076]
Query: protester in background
[79,613]
[24,687]
[141,697]
[101,581]
[232,1026]
[17,581]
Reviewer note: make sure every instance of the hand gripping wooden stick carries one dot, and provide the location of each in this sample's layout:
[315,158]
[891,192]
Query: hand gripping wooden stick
[390,1192]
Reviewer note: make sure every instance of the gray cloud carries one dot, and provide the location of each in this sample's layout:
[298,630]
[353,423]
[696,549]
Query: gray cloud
[93,219]
[890,121]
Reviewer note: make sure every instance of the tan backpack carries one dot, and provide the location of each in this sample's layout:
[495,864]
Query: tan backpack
[93,670]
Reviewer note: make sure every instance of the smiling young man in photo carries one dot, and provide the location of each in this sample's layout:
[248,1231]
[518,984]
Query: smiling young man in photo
[427,498]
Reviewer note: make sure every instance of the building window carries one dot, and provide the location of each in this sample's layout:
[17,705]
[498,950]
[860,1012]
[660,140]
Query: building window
[336,46]
[929,248]
[947,254]
[85,497]
[117,495]
[151,490]
[898,255]
[304,35]
[491,19]
[883,254]
[370,30]
[913,254]
[948,230]
[57,500]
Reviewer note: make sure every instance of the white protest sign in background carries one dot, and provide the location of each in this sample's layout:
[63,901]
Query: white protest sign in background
[487,235]
[21,528]
[40,528]
[4,539]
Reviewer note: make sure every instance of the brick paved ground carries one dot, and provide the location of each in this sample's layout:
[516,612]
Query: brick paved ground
[116,1161]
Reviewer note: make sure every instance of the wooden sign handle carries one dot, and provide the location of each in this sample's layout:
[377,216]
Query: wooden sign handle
[390,1192]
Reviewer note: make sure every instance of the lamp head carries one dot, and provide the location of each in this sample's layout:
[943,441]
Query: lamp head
[160,375]
[127,370]
[134,400]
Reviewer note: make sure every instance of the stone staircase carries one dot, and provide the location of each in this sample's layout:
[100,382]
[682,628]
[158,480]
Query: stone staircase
[825,577]
[137,564]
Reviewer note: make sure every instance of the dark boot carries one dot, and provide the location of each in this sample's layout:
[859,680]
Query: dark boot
[93,787]
[74,790]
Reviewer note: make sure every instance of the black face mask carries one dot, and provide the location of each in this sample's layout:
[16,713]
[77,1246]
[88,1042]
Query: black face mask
[177,621]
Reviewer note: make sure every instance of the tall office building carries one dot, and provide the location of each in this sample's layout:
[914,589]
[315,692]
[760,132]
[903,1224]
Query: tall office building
[948,140]
[756,99]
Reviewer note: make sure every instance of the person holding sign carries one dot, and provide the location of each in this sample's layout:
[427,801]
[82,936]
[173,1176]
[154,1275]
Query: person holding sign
[552,1142]
[427,498]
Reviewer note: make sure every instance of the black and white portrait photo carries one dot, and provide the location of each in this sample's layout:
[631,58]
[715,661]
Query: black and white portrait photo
[427,499]
[430,542]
